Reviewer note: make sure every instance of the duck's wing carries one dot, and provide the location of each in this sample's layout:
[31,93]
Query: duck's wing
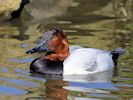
[104,62]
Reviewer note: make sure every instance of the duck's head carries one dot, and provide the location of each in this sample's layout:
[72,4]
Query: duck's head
[54,42]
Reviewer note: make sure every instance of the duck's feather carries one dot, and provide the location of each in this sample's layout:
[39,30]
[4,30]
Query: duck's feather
[88,60]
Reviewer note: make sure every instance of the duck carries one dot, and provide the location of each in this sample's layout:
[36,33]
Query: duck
[62,59]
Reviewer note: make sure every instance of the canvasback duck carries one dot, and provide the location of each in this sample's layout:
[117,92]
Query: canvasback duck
[62,59]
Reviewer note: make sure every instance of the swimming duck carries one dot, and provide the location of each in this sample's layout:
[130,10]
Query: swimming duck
[60,58]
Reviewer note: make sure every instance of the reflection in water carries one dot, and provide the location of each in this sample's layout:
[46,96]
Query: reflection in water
[55,91]
[19,82]
[121,38]
[91,83]
[99,77]
[11,90]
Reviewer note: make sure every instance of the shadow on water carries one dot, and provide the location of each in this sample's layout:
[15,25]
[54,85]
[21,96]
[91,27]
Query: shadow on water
[81,14]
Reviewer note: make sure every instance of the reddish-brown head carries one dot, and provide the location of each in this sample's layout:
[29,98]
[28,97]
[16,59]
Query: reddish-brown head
[58,45]
[55,43]
[58,42]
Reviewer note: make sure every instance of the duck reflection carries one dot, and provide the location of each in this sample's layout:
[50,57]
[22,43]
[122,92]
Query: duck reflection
[54,89]
[98,77]
[93,83]
[57,87]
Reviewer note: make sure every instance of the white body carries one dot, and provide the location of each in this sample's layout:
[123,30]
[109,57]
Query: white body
[87,61]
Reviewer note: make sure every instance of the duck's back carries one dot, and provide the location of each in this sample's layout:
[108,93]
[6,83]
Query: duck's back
[88,60]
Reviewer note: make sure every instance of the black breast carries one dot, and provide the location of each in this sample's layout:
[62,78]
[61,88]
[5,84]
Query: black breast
[46,67]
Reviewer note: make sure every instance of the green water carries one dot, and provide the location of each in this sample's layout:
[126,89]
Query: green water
[89,23]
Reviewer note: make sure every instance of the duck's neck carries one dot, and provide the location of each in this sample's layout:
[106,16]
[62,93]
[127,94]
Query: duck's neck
[60,52]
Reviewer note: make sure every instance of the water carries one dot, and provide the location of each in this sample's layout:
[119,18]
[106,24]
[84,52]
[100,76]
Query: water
[89,23]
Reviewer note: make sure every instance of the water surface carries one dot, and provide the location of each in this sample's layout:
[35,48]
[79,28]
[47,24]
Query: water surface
[89,23]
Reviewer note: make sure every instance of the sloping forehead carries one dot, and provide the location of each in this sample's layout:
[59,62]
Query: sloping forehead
[49,34]
[52,32]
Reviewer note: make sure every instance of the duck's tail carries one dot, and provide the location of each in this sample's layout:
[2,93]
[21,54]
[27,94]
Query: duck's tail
[116,53]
